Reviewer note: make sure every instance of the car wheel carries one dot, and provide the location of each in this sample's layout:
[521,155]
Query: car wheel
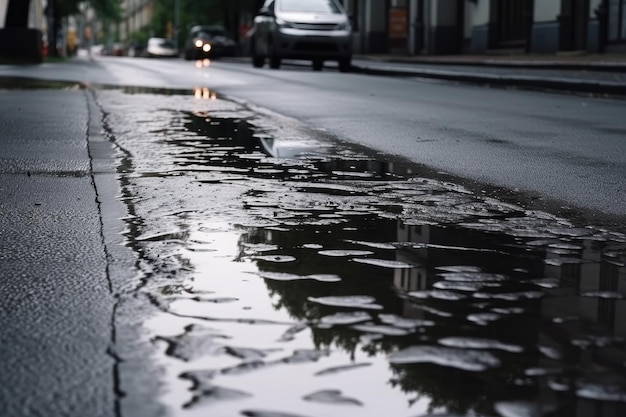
[257,60]
[274,62]
[274,58]
[318,64]
[345,65]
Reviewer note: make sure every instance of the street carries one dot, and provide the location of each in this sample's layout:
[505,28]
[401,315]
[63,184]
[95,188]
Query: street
[299,243]
[557,147]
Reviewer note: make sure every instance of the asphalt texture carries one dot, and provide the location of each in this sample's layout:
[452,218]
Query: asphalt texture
[57,306]
[61,265]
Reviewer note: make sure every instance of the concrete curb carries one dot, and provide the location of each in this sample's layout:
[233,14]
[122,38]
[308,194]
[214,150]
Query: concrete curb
[601,66]
[529,82]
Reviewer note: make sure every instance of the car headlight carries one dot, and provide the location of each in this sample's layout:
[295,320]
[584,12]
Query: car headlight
[198,43]
[343,26]
[283,24]
[206,47]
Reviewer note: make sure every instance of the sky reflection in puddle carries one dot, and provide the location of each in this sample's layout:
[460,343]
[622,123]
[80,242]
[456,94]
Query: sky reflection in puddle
[314,280]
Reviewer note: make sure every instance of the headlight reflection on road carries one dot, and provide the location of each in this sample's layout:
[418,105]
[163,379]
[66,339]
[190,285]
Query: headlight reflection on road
[203,63]
[203,93]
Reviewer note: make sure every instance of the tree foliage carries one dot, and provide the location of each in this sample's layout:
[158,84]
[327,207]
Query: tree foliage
[227,13]
[107,9]
[110,10]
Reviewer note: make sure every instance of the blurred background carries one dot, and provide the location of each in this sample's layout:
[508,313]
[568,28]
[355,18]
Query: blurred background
[122,27]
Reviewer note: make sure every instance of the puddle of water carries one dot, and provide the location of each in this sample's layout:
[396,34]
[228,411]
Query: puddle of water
[302,281]
[20,83]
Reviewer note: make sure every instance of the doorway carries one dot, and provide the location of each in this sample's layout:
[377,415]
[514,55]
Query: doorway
[616,21]
[513,19]
[573,25]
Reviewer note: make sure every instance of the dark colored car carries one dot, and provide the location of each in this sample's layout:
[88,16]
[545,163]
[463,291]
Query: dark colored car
[209,42]
[136,49]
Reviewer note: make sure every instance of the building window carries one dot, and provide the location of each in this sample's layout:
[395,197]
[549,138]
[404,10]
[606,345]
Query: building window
[609,281]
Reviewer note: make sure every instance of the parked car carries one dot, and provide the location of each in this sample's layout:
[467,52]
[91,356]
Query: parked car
[136,49]
[161,47]
[208,42]
[117,49]
[97,49]
[315,30]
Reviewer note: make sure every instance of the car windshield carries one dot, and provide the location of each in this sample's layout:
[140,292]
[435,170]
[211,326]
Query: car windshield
[210,32]
[318,6]
[166,44]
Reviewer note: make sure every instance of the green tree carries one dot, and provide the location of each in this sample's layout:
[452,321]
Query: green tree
[227,13]
[190,12]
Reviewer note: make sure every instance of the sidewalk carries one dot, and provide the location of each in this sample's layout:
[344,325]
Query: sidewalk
[592,74]
[57,307]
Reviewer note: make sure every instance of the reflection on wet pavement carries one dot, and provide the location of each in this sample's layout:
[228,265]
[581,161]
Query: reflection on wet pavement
[301,277]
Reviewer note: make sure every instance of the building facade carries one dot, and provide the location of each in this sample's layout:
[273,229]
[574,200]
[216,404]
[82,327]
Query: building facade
[443,27]
[137,15]
[488,26]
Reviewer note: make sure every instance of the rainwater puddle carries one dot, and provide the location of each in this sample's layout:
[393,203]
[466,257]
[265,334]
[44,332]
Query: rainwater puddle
[22,83]
[300,277]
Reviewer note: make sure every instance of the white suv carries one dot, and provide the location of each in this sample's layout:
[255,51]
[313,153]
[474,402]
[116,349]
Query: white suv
[315,30]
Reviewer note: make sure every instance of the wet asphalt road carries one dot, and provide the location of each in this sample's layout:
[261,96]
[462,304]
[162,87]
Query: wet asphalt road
[555,147]
[285,273]
[278,271]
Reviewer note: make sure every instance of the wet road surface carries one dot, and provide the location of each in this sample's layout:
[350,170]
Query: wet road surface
[289,274]
[561,150]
